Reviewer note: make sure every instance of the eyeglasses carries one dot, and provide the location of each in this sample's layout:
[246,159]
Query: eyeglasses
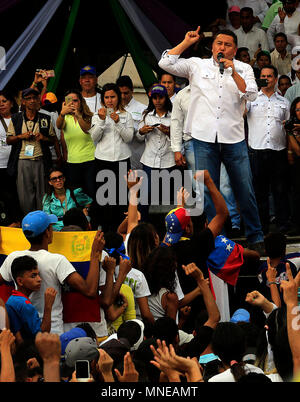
[297,110]
[57,178]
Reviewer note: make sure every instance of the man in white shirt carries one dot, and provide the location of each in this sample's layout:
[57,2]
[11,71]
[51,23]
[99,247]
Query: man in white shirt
[216,122]
[287,20]
[88,83]
[249,35]
[136,109]
[280,57]
[267,142]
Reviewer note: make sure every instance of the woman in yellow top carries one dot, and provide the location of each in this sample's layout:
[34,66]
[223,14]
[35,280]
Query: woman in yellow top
[74,121]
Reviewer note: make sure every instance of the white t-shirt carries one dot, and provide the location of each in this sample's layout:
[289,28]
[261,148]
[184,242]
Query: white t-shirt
[4,148]
[94,103]
[54,269]
[227,376]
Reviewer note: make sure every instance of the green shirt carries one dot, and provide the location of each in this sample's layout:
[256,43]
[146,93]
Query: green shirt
[271,14]
[79,144]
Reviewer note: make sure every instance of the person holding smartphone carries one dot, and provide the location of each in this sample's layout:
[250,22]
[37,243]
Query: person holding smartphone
[154,129]
[112,130]
[74,121]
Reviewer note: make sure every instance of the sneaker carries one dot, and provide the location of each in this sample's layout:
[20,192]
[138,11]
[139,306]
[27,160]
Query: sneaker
[259,247]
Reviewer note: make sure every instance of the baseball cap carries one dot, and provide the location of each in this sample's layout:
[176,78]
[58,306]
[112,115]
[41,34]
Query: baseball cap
[49,97]
[84,348]
[88,70]
[29,91]
[176,221]
[159,89]
[234,9]
[68,336]
[37,222]
[240,315]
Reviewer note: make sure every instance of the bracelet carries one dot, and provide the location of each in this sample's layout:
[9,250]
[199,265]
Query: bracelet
[290,152]
[35,84]
[272,283]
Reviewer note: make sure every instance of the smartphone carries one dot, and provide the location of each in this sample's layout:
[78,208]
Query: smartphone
[50,73]
[109,111]
[208,34]
[2,318]
[261,82]
[155,125]
[82,368]
[68,99]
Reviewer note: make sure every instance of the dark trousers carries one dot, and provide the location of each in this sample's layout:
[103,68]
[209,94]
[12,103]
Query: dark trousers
[270,174]
[295,191]
[82,175]
[111,194]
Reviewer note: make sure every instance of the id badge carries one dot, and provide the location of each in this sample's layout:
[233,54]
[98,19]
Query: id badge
[29,150]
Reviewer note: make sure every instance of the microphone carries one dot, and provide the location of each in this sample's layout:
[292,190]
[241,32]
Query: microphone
[221,64]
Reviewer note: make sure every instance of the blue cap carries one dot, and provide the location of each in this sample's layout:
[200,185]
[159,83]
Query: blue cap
[37,222]
[240,315]
[68,336]
[29,91]
[159,89]
[88,70]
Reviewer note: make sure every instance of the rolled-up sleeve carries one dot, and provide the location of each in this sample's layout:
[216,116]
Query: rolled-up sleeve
[251,86]
[174,64]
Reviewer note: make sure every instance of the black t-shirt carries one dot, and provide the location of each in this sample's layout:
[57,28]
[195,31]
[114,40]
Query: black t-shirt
[196,249]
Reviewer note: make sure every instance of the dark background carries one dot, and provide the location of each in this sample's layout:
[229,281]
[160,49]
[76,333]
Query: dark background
[96,36]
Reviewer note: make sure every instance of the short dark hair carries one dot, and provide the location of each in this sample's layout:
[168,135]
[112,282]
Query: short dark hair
[229,33]
[125,81]
[280,34]
[240,50]
[165,329]
[75,216]
[275,244]
[247,10]
[34,240]
[22,264]
[285,77]
[271,67]
[162,72]
[263,53]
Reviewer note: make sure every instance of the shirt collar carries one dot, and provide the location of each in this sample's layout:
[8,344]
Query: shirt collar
[18,293]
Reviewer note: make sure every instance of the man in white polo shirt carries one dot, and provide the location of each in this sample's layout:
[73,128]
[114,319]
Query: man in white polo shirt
[268,155]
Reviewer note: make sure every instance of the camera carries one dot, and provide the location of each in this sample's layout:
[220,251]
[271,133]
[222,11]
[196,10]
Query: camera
[289,124]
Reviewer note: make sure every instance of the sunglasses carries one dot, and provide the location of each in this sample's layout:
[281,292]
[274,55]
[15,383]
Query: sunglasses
[57,178]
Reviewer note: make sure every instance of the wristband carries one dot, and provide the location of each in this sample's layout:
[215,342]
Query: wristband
[272,283]
[34,84]
[290,152]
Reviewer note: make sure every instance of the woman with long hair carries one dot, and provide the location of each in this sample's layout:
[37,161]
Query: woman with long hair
[74,121]
[112,130]
[160,272]
[154,129]
[60,198]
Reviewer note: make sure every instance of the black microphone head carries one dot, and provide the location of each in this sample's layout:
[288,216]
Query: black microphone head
[220,56]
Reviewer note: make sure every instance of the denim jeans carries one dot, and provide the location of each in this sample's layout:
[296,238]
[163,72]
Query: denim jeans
[227,193]
[188,152]
[236,160]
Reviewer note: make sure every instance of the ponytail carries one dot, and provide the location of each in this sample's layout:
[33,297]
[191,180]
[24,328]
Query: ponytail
[237,369]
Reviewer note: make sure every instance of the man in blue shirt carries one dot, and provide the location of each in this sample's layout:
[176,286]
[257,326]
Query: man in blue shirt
[23,316]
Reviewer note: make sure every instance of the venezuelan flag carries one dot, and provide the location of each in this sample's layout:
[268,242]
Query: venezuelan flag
[76,247]
[226,259]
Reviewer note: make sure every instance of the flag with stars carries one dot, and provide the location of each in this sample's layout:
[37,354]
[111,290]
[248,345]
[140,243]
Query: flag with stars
[226,259]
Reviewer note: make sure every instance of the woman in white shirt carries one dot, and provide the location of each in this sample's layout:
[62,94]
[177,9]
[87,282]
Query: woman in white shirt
[8,106]
[112,130]
[154,129]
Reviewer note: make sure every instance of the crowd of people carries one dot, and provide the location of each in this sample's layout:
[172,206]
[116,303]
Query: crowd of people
[154,307]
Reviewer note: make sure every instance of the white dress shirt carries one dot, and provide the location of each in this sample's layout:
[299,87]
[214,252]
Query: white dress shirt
[216,106]
[289,27]
[178,118]
[158,152]
[265,117]
[252,39]
[111,139]
[94,102]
